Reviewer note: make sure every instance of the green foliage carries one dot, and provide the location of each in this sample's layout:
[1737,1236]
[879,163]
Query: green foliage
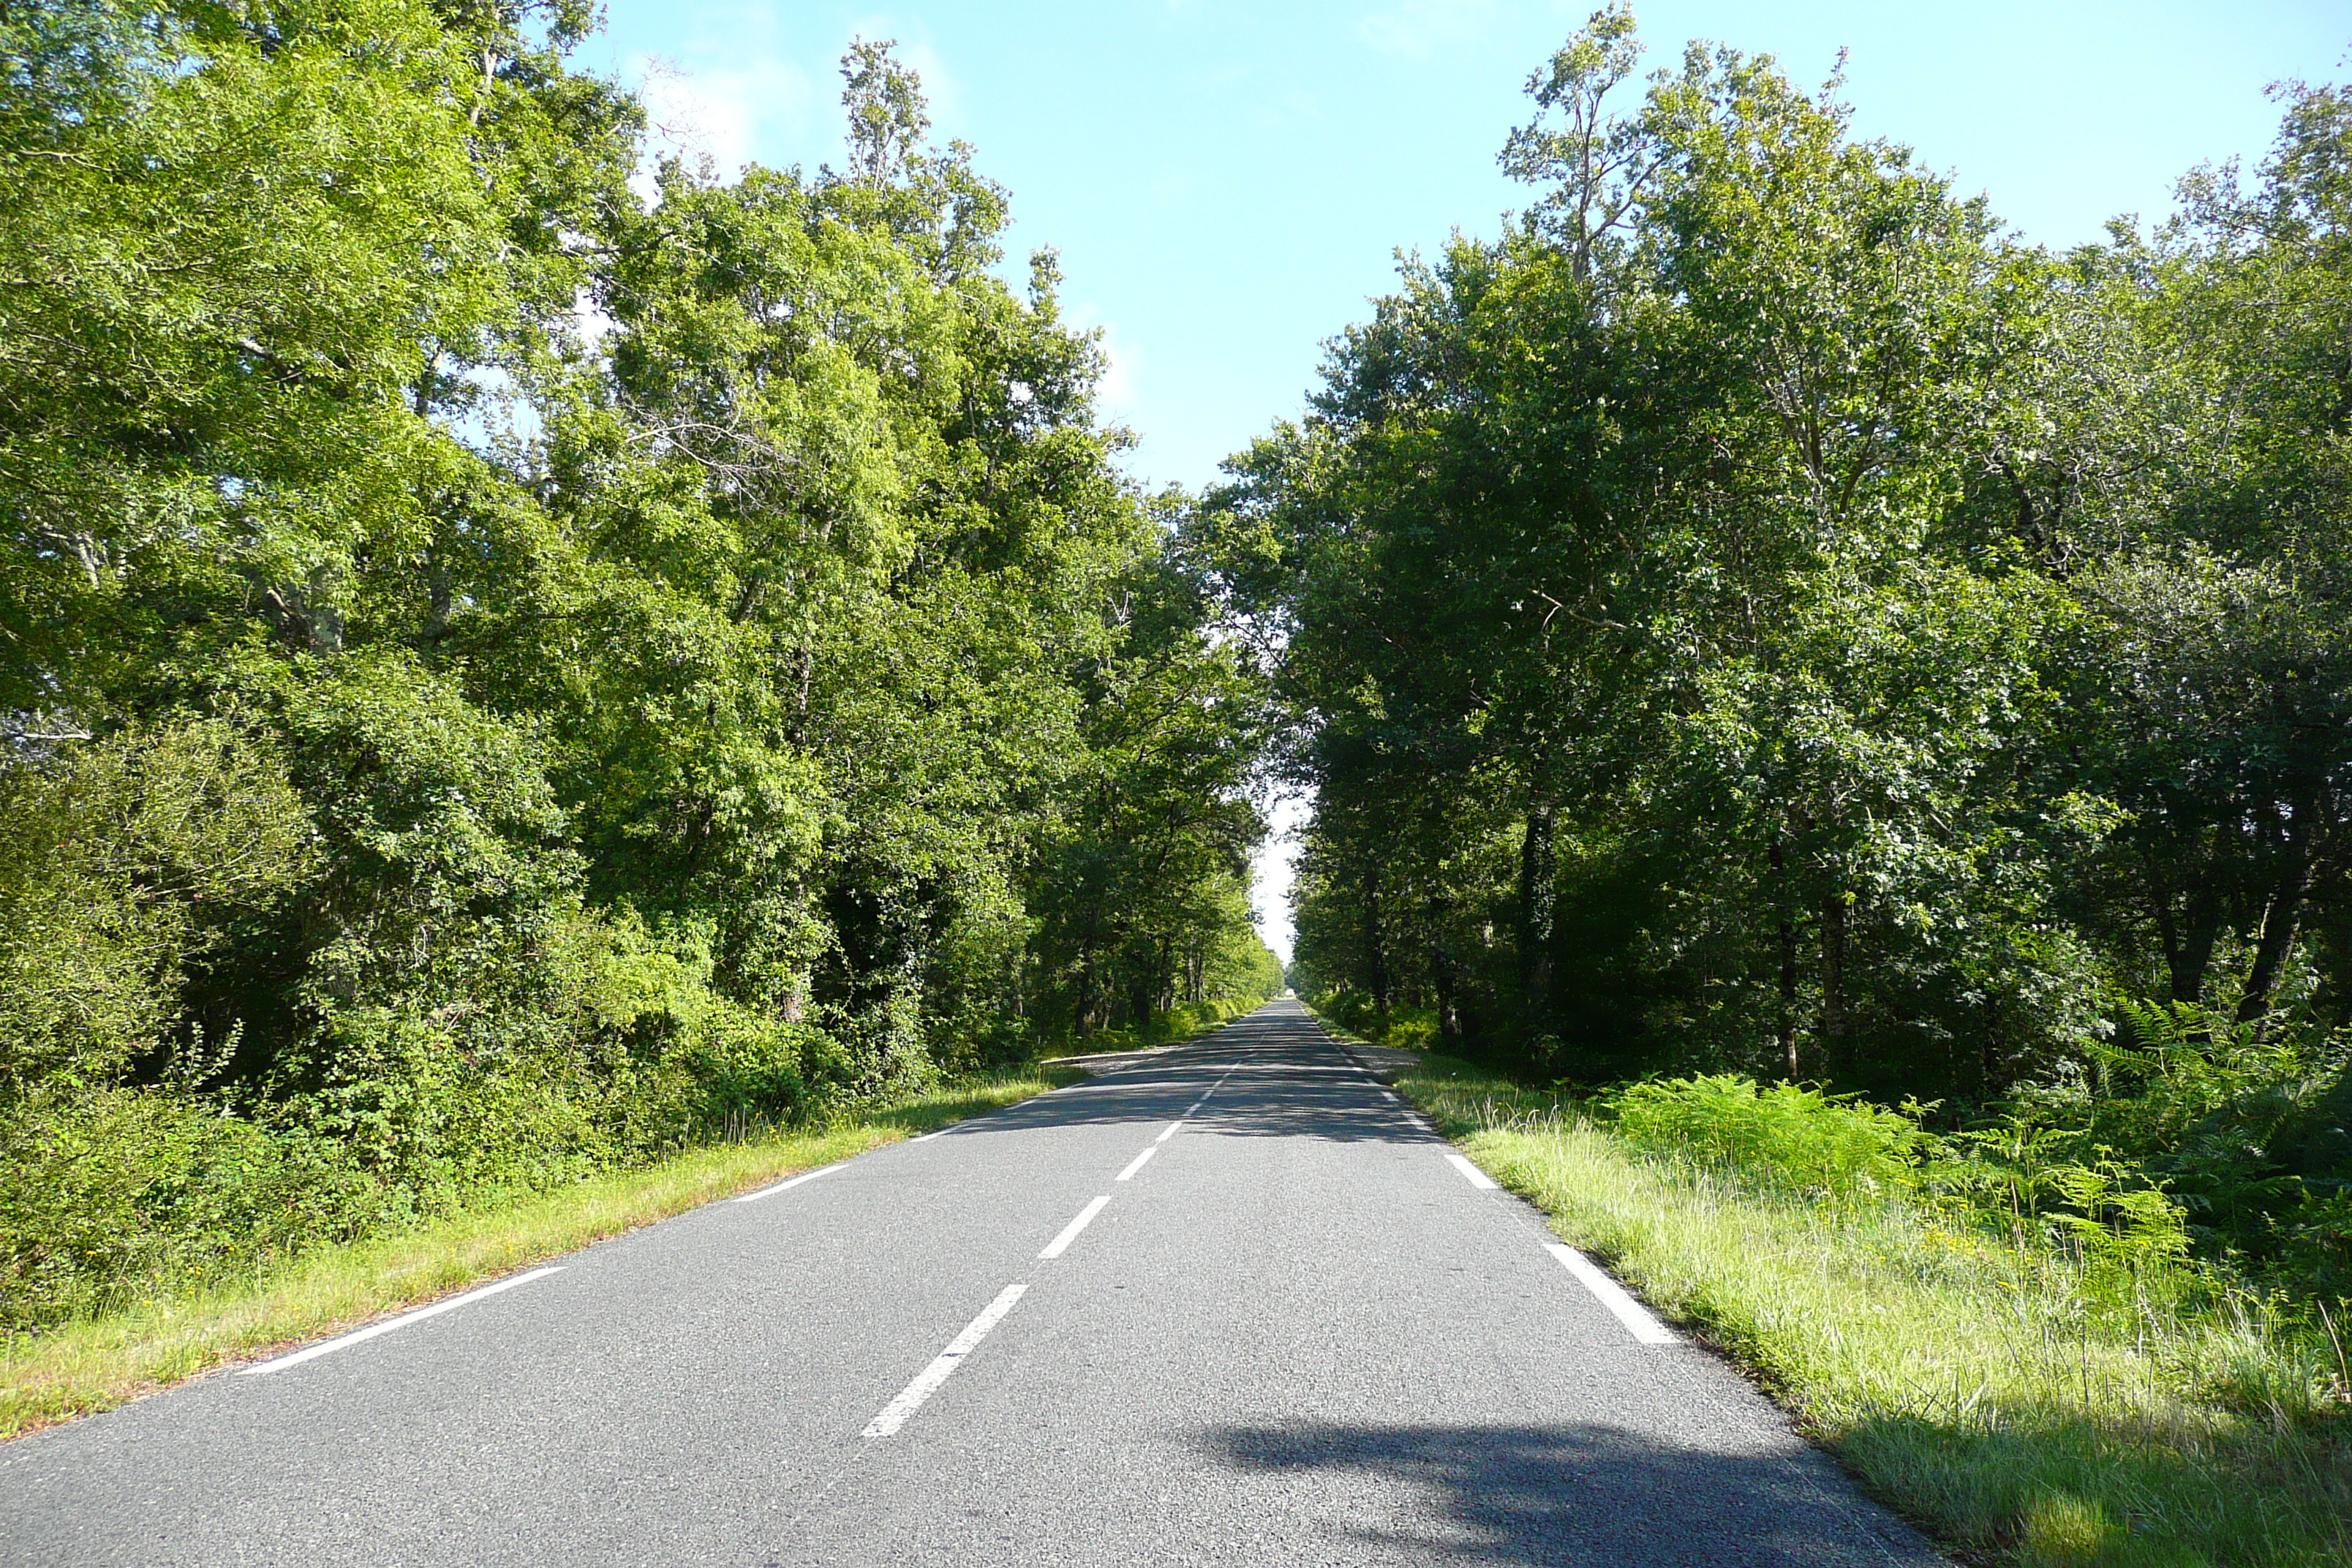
[2023,1396]
[1405,1028]
[119,1193]
[1755,621]
[2125,1236]
[121,865]
[448,751]
[2243,1124]
[1789,1134]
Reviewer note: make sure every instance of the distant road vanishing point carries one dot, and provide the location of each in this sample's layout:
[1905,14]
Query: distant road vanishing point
[1228,1303]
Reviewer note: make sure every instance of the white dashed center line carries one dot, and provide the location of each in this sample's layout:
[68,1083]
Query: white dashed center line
[1061,1244]
[926,1381]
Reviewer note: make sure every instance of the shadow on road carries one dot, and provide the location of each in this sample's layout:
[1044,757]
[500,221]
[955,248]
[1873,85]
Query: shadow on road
[1285,1089]
[1584,1495]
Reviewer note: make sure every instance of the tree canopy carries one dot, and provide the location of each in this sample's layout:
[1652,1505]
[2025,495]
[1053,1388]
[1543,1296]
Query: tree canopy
[1759,616]
[502,675]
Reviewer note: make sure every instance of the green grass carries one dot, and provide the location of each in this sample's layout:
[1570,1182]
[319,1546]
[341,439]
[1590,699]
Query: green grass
[82,1368]
[1973,1382]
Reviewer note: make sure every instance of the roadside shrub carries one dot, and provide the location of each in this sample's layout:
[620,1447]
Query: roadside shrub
[753,1071]
[2246,1122]
[1191,1017]
[2127,1237]
[981,1046]
[390,1114]
[117,1194]
[1406,1028]
[1790,1134]
[1180,1022]
[121,864]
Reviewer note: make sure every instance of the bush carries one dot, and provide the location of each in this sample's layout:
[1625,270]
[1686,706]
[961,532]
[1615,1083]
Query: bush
[1407,1028]
[117,1193]
[752,1071]
[1790,1134]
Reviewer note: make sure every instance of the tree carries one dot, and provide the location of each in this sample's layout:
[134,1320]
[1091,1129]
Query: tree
[454,749]
[1752,615]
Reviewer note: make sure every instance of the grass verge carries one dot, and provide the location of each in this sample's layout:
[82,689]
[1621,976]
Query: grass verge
[1965,1381]
[80,1369]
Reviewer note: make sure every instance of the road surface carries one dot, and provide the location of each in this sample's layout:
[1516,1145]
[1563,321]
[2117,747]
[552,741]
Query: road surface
[1232,1304]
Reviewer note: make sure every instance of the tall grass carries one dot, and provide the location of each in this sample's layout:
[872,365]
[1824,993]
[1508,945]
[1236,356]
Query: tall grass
[2028,1395]
[96,1363]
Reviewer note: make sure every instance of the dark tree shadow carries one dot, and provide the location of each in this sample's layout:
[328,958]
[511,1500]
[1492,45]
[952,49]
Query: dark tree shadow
[1283,1082]
[1592,1496]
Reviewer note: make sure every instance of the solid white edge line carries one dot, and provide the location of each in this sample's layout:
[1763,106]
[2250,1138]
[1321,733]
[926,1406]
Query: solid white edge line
[1612,1295]
[436,1310]
[1471,1173]
[1061,1244]
[927,1137]
[1170,1132]
[796,1180]
[1136,1164]
[926,1381]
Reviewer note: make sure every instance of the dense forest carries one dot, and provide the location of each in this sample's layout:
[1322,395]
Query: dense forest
[507,672]
[1757,616]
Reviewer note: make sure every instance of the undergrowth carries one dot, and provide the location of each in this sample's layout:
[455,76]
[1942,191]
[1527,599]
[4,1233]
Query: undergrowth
[2032,1366]
[183,1328]
[1180,1022]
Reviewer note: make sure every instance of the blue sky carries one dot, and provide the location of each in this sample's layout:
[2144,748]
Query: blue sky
[1228,181]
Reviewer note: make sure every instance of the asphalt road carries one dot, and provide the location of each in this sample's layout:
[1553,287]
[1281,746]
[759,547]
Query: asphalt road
[1297,1333]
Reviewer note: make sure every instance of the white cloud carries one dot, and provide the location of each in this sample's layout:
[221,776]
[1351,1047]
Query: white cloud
[941,94]
[1414,28]
[1115,394]
[1117,389]
[589,319]
[749,111]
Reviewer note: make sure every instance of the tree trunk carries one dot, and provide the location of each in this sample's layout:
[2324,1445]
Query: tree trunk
[1535,923]
[1375,958]
[438,598]
[1441,975]
[2283,912]
[1083,995]
[1833,1011]
[1988,1051]
[2188,937]
[1784,899]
